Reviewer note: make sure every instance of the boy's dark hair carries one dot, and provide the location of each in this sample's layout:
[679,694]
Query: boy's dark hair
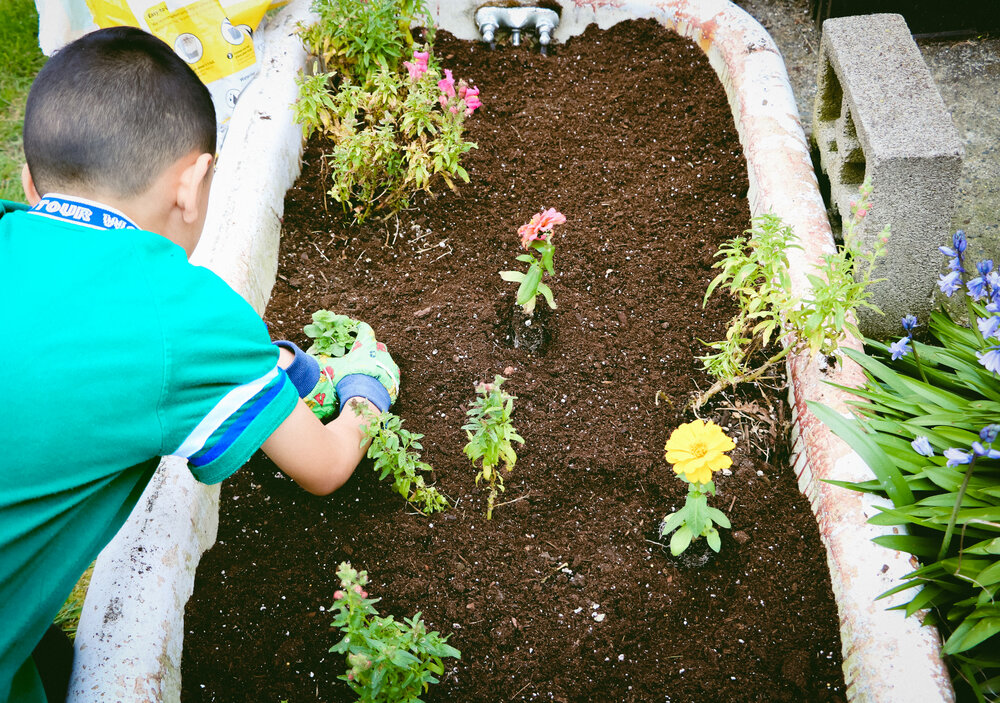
[111,111]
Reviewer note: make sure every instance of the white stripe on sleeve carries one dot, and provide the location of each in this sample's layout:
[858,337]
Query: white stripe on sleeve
[223,410]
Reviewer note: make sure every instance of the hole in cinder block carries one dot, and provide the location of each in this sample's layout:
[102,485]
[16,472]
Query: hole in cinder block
[831,94]
[825,191]
[850,129]
[852,173]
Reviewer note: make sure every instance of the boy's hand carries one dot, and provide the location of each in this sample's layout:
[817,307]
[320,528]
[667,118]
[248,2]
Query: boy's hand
[326,383]
[366,371]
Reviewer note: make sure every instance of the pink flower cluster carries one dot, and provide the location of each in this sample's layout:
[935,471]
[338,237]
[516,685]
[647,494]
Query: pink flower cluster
[418,66]
[469,95]
[339,595]
[540,226]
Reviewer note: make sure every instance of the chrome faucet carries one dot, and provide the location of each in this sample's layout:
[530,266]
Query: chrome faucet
[516,19]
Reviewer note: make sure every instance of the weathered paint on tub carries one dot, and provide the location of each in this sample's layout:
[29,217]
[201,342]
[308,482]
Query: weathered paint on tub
[129,642]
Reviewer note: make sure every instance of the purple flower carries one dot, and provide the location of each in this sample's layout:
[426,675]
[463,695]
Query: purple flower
[977,288]
[909,323]
[989,433]
[994,306]
[949,283]
[957,456]
[990,359]
[956,265]
[979,450]
[922,446]
[984,266]
[959,241]
[988,326]
[900,348]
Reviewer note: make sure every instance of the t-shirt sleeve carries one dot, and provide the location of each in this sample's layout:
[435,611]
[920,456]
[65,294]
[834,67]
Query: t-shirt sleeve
[224,393]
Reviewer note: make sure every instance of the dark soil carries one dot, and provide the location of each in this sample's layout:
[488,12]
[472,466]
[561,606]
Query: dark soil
[564,595]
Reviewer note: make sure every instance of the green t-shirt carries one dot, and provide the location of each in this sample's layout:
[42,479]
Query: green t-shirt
[117,351]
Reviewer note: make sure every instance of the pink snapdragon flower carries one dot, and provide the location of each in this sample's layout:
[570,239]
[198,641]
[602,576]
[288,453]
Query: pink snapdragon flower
[418,66]
[471,98]
[447,87]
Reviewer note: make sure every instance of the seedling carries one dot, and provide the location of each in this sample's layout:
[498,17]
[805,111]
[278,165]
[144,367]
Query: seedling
[490,435]
[536,238]
[334,334]
[396,451]
[696,450]
[390,662]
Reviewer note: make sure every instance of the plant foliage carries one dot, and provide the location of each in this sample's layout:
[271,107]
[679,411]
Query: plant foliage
[333,334]
[391,132]
[926,425]
[755,272]
[491,436]
[390,661]
[396,451]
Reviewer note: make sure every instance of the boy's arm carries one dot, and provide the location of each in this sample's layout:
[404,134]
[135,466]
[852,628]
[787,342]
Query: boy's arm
[320,458]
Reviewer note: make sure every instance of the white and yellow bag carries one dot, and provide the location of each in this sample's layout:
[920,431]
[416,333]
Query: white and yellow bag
[215,37]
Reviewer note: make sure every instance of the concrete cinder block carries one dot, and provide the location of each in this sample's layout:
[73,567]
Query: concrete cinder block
[878,114]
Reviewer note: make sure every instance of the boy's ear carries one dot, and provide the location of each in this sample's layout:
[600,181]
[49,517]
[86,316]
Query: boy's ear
[28,183]
[192,190]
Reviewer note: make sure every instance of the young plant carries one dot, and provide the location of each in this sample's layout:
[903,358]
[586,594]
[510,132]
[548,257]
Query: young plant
[396,451]
[536,238]
[389,661]
[392,132]
[490,434]
[927,426]
[358,39]
[696,450]
[333,334]
[755,272]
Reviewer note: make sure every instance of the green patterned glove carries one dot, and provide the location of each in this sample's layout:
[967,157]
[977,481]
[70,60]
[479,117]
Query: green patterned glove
[366,371]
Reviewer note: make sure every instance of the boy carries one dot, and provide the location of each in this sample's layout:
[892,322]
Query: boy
[119,350]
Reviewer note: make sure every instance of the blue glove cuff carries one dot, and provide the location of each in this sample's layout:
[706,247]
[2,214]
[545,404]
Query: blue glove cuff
[303,372]
[358,385]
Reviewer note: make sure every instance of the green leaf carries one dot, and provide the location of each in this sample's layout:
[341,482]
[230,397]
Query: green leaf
[719,517]
[680,541]
[714,540]
[672,522]
[970,633]
[529,286]
[881,465]
[920,546]
[547,294]
[513,276]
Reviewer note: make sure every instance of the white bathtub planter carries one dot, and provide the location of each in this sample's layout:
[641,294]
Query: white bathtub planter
[131,631]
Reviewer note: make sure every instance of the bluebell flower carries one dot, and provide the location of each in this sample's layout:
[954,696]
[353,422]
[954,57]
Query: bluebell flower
[900,348]
[988,326]
[984,266]
[988,452]
[950,282]
[956,265]
[989,433]
[994,305]
[957,456]
[959,241]
[977,288]
[990,359]
[922,446]
[909,323]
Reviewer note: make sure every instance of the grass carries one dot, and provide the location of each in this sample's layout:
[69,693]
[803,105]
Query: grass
[21,59]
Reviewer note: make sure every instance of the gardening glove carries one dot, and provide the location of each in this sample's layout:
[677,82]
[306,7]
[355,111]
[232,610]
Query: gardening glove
[326,383]
[366,371]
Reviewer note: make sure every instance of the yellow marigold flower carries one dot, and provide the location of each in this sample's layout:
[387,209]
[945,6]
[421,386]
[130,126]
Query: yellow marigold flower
[696,449]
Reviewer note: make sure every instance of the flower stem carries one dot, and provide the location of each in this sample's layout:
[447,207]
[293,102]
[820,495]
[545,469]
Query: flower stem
[696,404]
[954,511]
[490,501]
[916,359]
